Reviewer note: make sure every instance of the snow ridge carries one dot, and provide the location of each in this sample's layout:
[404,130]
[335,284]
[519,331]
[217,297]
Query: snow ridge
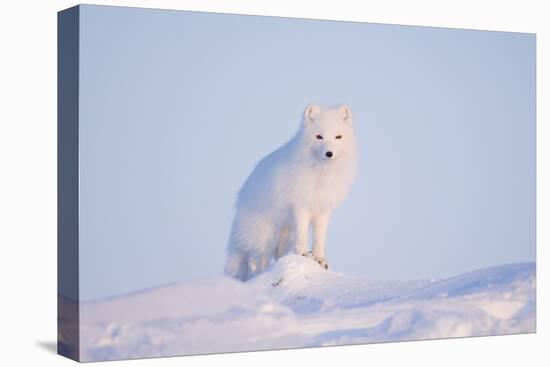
[296,303]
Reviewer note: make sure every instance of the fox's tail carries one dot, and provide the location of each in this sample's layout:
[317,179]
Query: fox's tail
[237,265]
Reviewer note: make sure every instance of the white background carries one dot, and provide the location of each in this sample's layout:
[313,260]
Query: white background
[28,181]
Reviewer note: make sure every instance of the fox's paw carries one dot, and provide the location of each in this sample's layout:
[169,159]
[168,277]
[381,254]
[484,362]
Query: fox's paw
[322,261]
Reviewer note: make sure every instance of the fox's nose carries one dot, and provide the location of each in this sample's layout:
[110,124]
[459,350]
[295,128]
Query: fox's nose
[328,154]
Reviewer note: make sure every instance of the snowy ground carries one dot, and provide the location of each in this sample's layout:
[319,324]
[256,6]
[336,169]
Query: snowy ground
[298,304]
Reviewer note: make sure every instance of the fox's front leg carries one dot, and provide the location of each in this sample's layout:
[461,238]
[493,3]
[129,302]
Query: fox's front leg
[300,219]
[320,225]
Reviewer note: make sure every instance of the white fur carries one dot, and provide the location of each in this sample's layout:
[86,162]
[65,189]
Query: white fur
[291,189]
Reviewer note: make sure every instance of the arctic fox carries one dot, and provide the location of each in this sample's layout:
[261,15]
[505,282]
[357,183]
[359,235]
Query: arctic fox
[295,186]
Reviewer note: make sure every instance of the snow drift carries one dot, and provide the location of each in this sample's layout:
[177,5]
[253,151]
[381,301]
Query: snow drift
[296,303]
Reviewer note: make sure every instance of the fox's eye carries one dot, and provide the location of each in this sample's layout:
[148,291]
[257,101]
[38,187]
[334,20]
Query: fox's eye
[319,137]
[338,137]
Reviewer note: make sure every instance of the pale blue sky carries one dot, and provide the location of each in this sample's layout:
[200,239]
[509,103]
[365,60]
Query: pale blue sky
[177,107]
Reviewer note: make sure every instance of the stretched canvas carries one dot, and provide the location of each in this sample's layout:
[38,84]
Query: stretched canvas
[237,183]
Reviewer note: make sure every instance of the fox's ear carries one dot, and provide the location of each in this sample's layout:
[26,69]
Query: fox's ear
[345,113]
[311,113]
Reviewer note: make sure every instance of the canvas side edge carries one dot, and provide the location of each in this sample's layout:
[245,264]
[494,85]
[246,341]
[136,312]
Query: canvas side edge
[68,328]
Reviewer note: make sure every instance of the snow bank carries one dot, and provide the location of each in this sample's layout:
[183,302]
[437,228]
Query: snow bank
[297,304]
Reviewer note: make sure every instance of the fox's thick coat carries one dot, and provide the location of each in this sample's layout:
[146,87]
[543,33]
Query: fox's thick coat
[292,189]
